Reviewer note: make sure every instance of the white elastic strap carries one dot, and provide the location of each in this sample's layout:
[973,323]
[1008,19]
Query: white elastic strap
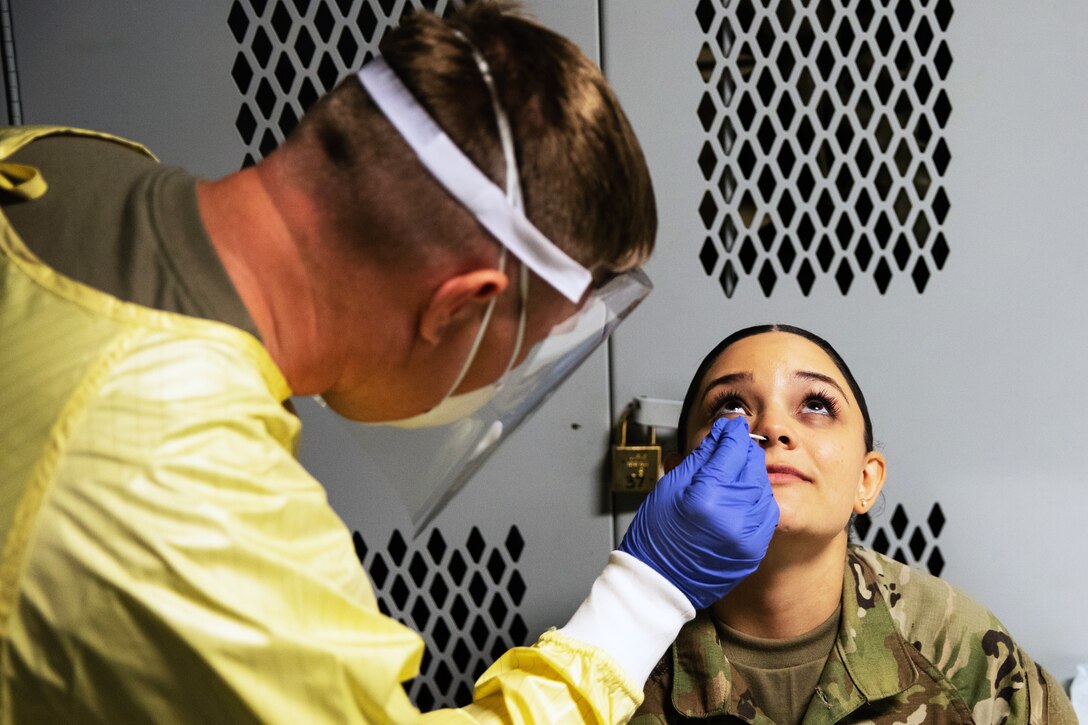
[513,186]
[523,311]
[506,136]
[479,334]
[632,613]
[466,183]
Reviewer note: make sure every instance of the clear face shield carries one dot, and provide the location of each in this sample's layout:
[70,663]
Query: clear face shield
[431,460]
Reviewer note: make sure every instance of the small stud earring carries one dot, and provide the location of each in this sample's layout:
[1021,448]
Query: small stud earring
[865,502]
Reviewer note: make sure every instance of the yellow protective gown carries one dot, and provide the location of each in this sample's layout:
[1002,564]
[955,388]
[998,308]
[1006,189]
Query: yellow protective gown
[166,559]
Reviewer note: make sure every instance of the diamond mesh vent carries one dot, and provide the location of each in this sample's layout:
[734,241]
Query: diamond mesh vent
[463,600]
[913,543]
[824,150]
[290,52]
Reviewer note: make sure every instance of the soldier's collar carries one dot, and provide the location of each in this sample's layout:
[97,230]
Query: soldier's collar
[869,645]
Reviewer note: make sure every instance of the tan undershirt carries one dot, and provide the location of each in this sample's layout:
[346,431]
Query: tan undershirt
[782,673]
[118,221]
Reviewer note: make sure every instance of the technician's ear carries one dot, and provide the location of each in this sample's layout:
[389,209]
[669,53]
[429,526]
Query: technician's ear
[870,482]
[459,299]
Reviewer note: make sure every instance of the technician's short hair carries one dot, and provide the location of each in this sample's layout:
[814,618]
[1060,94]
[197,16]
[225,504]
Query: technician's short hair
[584,180]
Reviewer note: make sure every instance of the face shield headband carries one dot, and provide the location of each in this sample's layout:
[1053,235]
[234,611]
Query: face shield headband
[427,466]
[499,212]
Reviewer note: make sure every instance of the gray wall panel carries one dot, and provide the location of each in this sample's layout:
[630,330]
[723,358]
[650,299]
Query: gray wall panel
[578,20]
[9,89]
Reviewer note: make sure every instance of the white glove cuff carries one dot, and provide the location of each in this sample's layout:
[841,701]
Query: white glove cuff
[632,613]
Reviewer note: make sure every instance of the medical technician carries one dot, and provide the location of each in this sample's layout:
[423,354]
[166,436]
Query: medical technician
[433,226]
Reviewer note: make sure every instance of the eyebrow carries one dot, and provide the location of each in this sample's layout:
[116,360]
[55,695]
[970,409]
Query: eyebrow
[733,378]
[729,379]
[810,375]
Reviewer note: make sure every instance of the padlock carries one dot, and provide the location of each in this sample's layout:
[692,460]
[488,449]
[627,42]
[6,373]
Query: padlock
[635,469]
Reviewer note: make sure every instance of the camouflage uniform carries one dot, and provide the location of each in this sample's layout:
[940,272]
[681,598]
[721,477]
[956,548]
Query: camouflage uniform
[910,649]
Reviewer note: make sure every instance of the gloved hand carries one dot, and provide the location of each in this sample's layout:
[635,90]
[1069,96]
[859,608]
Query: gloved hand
[707,523]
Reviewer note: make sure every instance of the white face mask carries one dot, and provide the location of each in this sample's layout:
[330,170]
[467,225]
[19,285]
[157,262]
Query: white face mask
[455,407]
[451,409]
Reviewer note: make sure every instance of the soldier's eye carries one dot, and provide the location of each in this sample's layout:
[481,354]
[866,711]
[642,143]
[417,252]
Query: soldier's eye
[821,403]
[727,404]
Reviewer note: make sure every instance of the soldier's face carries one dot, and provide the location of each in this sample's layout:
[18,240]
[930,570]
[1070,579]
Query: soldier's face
[792,392]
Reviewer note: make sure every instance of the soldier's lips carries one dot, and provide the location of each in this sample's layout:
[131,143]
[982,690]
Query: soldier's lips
[778,474]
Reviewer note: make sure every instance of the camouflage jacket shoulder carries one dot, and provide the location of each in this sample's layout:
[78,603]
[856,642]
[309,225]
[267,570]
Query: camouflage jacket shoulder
[910,648]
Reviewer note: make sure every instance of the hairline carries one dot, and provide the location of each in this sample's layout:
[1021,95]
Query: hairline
[696,384]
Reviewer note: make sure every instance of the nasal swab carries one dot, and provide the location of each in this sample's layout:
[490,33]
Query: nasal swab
[756,437]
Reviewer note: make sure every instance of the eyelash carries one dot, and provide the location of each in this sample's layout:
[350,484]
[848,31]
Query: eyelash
[720,399]
[824,398]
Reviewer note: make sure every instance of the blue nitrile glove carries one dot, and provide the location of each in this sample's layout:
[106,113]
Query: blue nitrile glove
[707,523]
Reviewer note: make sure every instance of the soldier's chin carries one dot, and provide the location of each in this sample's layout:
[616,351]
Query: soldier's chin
[793,525]
[787,515]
